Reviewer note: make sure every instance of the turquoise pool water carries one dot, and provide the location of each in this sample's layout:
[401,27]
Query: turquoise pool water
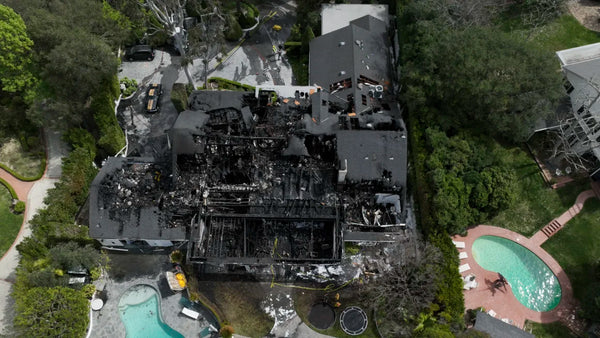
[139,308]
[532,282]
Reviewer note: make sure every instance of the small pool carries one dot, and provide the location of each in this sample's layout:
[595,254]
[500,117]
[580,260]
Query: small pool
[531,280]
[139,308]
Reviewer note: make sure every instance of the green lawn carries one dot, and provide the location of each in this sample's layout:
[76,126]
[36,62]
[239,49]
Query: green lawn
[240,304]
[565,32]
[552,330]
[304,299]
[10,224]
[576,248]
[536,204]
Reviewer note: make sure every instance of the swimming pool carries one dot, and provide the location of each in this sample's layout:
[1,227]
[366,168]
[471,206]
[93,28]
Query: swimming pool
[532,282]
[139,308]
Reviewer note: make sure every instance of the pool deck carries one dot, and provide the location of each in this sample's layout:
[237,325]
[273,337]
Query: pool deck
[502,301]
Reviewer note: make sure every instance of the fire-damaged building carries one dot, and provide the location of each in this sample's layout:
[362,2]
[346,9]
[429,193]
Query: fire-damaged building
[281,175]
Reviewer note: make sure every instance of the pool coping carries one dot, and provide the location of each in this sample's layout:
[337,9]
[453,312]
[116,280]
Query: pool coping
[158,296]
[504,303]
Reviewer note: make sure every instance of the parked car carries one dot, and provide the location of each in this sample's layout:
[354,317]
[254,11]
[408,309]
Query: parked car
[140,52]
[153,97]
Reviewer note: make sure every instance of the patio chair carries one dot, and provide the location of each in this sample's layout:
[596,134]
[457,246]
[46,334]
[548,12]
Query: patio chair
[459,245]
[463,255]
[464,267]
[190,313]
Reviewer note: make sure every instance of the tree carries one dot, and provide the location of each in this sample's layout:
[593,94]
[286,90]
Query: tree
[70,255]
[51,312]
[15,52]
[79,66]
[171,14]
[206,38]
[407,289]
[478,77]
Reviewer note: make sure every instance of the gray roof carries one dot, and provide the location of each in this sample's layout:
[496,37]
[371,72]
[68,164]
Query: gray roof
[359,49]
[497,328]
[371,152]
[147,222]
[336,16]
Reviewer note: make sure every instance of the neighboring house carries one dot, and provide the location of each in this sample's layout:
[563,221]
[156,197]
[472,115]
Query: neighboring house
[275,176]
[580,133]
[497,328]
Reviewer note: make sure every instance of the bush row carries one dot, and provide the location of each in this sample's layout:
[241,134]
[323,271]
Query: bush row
[12,191]
[231,85]
[57,245]
[110,137]
[25,178]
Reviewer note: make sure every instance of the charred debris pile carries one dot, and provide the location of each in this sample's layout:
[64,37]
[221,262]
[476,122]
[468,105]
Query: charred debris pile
[252,180]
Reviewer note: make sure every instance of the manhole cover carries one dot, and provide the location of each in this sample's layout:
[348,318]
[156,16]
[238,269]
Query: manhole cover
[321,316]
[353,320]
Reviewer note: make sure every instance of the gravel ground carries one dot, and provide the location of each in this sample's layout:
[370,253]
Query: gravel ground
[587,12]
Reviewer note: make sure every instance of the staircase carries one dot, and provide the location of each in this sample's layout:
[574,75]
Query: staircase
[551,228]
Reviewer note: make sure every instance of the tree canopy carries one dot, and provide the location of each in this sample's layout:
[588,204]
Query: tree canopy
[15,48]
[52,312]
[478,77]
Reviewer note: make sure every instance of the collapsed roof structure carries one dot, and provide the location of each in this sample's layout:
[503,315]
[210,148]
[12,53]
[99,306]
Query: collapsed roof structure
[275,176]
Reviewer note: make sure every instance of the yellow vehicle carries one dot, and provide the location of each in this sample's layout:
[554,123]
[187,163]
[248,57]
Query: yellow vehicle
[276,28]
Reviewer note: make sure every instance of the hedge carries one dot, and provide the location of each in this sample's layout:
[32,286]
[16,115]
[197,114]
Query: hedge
[12,191]
[24,178]
[229,84]
[111,138]
[179,97]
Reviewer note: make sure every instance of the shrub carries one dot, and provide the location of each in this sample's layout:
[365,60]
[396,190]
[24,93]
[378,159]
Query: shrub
[111,138]
[81,138]
[227,331]
[234,31]
[88,290]
[179,97]
[176,256]
[128,86]
[19,207]
[227,84]
[12,191]
[95,273]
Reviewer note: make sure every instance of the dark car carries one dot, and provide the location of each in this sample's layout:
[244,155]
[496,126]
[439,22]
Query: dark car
[140,52]
[153,98]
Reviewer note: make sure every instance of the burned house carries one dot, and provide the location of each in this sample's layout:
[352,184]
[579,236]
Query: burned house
[275,176]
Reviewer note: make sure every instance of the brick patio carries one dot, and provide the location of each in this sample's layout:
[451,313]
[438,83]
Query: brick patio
[503,302]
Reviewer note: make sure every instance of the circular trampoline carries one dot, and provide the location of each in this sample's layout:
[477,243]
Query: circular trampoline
[353,320]
[321,316]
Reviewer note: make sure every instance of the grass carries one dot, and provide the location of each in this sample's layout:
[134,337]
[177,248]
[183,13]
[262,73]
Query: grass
[10,224]
[576,248]
[299,62]
[536,204]
[552,330]
[304,299]
[24,163]
[240,304]
[563,33]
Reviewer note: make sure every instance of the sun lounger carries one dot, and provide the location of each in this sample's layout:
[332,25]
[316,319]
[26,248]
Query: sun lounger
[190,313]
[462,255]
[492,313]
[470,285]
[463,268]
[460,245]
